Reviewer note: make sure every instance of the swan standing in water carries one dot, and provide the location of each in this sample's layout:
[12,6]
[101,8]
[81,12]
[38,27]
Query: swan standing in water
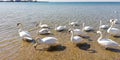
[60,28]
[75,39]
[77,32]
[113,31]
[107,43]
[103,26]
[87,28]
[25,35]
[73,23]
[44,31]
[43,25]
[50,41]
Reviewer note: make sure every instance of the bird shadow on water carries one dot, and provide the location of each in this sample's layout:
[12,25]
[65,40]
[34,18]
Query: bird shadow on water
[113,50]
[116,36]
[56,48]
[53,48]
[83,46]
[86,47]
[87,37]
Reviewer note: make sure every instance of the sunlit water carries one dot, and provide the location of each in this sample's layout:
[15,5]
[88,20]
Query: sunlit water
[51,13]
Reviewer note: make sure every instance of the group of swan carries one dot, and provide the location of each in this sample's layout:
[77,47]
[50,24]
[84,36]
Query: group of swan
[75,38]
[113,31]
[44,29]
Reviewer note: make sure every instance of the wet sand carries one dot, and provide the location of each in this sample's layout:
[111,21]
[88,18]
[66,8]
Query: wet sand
[13,48]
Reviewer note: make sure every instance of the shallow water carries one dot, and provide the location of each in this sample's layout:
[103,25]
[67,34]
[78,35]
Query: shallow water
[51,13]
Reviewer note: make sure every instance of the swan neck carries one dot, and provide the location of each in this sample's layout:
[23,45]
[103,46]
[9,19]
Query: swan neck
[100,36]
[100,24]
[83,26]
[111,25]
[20,28]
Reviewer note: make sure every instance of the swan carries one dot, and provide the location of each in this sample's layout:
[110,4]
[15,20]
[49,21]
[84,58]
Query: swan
[103,26]
[75,39]
[73,23]
[115,21]
[50,41]
[77,32]
[25,35]
[44,31]
[43,25]
[60,28]
[87,28]
[106,42]
[113,31]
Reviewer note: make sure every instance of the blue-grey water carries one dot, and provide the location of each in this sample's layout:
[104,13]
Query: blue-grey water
[29,13]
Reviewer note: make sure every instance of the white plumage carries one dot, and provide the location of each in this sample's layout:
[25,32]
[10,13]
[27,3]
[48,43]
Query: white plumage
[103,26]
[73,23]
[106,42]
[43,25]
[113,31]
[51,41]
[75,39]
[25,35]
[87,28]
[115,21]
[60,28]
[44,31]
[77,32]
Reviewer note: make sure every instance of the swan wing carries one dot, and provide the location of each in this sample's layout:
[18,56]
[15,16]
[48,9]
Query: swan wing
[24,34]
[114,31]
[76,39]
[108,42]
[49,40]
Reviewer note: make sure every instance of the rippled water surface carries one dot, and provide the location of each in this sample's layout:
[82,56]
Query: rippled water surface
[61,13]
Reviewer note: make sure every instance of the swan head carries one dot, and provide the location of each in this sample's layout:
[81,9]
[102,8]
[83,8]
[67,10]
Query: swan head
[18,24]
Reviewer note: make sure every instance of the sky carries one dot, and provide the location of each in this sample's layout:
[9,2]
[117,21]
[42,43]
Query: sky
[82,0]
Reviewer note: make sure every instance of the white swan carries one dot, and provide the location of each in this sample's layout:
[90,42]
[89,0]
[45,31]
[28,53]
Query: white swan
[75,39]
[106,42]
[44,31]
[87,28]
[50,41]
[25,35]
[60,28]
[115,21]
[77,32]
[73,23]
[43,25]
[113,31]
[103,26]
